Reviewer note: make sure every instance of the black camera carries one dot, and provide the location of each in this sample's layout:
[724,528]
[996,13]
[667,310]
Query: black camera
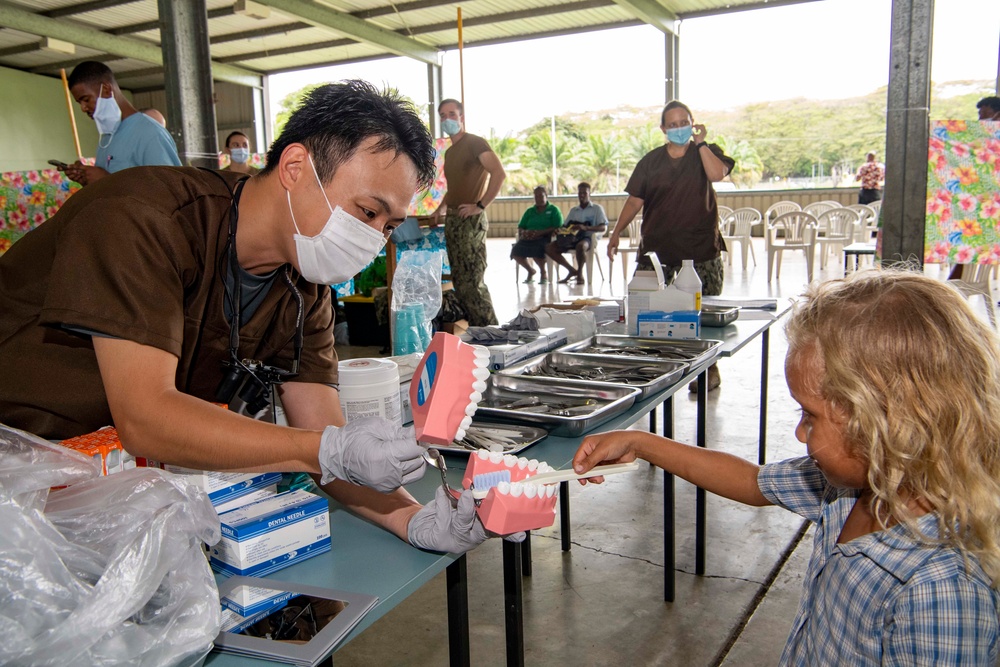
[252,381]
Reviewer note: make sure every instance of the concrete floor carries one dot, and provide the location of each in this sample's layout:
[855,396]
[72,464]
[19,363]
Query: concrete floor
[601,603]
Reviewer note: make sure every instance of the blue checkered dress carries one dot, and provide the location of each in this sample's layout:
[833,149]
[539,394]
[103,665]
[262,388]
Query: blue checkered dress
[880,599]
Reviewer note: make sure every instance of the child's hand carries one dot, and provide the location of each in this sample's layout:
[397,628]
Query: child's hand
[614,447]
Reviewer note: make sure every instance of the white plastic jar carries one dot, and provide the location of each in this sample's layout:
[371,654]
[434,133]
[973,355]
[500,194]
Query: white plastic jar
[370,388]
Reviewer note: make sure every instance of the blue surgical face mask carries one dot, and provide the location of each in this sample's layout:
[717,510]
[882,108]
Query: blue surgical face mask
[451,127]
[239,155]
[680,135]
[107,114]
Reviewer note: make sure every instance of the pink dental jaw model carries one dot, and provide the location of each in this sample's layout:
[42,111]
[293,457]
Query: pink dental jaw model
[515,506]
[446,389]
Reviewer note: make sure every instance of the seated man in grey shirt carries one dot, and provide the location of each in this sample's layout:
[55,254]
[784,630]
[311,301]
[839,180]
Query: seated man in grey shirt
[577,234]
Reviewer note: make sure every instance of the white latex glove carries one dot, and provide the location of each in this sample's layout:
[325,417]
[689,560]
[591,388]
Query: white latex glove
[438,527]
[372,452]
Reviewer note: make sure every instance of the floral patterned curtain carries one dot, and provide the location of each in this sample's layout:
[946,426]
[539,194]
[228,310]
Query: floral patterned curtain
[963,193]
[29,198]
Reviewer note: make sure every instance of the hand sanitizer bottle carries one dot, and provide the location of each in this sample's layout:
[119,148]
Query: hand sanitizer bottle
[687,280]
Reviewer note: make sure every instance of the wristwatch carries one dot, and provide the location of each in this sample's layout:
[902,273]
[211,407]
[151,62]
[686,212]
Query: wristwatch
[480,204]
[704,143]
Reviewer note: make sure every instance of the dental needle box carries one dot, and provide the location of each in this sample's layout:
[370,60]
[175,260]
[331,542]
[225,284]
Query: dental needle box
[250,600]
[222,487]
[675,324]
[252,497]
[272,534]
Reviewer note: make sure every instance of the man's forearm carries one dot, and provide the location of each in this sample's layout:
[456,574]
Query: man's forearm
[391,511]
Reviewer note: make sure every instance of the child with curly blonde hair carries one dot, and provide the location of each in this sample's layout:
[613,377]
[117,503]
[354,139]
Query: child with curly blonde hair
[899,384]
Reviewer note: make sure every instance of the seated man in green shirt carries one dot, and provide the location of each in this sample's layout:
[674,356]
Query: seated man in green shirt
[534,232]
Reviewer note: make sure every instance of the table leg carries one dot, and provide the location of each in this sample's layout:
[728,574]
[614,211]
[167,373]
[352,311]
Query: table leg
[669,529]
[513,611]
[564,515]
[847,258]
[652,420]
[458,613]
[699,537]
[526,555]
[765,344]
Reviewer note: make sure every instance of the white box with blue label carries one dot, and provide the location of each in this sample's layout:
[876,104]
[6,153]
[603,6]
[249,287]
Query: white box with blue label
[222,487]
[674,324]
[249,600]
[272,534]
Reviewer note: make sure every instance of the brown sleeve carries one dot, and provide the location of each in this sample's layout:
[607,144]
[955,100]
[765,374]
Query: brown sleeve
[726,160]
[120,270]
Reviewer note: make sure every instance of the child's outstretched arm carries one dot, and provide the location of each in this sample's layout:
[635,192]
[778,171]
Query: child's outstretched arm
[723,474]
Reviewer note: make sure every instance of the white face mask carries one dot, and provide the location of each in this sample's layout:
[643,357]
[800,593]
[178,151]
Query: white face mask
[343,247]
[107,114]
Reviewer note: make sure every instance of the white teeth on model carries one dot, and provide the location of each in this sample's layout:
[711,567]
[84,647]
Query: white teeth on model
[550,490]
[475,398]
[509,460]
[481,373]
[465,423]
[483,454]
[532,465]
[530,490]
[503,488]
[522,463]
[516,489]
[481,352]
[460,434]
[479,386]
[470,409]
[496,457]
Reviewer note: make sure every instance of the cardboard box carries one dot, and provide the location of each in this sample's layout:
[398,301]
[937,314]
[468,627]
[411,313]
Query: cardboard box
[222,487]
[272,534]
[250,600]
[251,497]
[533,343]
[605,310]
[675,324]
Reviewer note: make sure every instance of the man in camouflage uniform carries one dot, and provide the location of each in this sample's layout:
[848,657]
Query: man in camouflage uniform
[474,175]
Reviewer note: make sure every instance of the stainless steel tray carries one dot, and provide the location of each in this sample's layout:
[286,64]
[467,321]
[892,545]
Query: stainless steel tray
[648,375]
[717,316]
[539,397]
[692,352]
[522,436]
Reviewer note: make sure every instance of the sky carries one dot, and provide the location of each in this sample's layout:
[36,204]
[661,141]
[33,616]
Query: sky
[819,50]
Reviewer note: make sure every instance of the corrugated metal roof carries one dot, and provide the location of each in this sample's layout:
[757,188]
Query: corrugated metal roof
[270,36]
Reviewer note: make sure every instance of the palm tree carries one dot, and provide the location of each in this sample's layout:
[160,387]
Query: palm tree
[602,156]
[749,167]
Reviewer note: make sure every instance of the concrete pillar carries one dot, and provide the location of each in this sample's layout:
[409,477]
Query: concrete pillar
[904,197]
[435,93]
[188,81]
[671,78]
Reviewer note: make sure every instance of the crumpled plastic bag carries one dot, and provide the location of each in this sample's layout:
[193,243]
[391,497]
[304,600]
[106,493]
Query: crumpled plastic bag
[416,300]
[108,571]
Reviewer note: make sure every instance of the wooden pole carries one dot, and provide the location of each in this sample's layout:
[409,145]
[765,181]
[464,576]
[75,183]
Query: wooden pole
[461,64]
[72,116]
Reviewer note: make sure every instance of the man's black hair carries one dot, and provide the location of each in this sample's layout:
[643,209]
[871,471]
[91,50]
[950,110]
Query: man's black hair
[991,102]
[236,133]
[90,71]
[335,119]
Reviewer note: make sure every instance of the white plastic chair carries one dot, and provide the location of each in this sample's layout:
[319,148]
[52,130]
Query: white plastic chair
[818,208]
[740,225]
[588,259]
[776,209]
[876,206]
[867,226]
[799,230]
[976,280]
[634,237]
[839,224]
[724,213]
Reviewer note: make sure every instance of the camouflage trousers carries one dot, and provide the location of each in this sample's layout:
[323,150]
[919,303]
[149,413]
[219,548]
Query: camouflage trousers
[711,273]
[466,242]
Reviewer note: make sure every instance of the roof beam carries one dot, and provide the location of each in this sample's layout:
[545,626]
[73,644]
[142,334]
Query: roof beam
[259,32]
[355,28]
[128,47]
[84,7]
[145,26]
[762,4]
[70,64]
[652,12]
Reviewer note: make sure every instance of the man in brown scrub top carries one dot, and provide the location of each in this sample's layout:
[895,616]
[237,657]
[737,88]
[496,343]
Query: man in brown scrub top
[474,175]
[156,291]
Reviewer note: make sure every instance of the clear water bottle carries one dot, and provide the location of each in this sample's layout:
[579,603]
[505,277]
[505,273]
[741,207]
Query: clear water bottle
[687,280]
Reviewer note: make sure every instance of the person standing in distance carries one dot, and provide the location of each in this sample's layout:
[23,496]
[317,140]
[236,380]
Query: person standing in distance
[238,149]
[474,176]
[128,138]
[871,174]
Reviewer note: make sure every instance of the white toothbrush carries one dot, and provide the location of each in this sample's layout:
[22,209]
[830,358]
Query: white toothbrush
[557,476]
